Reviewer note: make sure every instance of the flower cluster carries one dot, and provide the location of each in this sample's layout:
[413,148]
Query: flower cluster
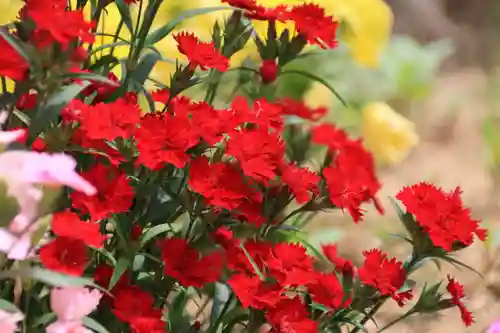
[132,201]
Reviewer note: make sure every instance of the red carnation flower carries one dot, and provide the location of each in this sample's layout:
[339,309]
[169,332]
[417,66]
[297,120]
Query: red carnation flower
[441,215]
[53,22]
[388,276]
[252,292]
[221,184]
[301,181]
[259,152]
[298,108]
[188,266]
[204,55]
[12,64]
[457,293]
[290,265]
[351,179]
[327,290]
[291,315]
[114,193]
[109,121]
[342,265]
[136,307]
[314,25]
[261,114]
[159,144]
[65,255]
[68,224]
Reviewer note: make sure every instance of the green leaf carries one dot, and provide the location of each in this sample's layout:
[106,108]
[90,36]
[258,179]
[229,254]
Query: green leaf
[162,32]
[144,68]
[154,231]
[94,325]
[108,46]
[221,297]
[16,45]
[121,266]
[8,306]
[124,10]
[45,319]
[49,277]
[314,77]
[51,110]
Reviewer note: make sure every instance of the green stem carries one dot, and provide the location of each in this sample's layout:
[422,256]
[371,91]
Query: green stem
[368,316]
[406,315]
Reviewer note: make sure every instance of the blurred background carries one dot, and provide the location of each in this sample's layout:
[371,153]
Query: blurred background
[440,71]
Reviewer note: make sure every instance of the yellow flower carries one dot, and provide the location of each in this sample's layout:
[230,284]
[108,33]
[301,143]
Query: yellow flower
[318,96]
[368,27]
[9,10]
[387,134]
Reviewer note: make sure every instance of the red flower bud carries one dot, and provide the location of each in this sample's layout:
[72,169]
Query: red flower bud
[268,71]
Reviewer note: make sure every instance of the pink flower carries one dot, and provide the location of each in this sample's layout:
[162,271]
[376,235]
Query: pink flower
[71,305]
[42,168]
[67,327]
[22,171]
[495,327]
[8,321]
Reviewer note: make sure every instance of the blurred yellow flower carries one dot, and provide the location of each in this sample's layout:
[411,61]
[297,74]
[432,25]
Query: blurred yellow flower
[368,26]
[9,10]
[317,96]
[387,134]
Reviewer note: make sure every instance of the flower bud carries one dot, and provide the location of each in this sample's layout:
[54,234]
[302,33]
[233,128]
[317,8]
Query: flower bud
[268,71]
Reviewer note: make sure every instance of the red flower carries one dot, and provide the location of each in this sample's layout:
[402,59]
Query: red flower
[388,276]
[243,4]
[238,261]
[103,274]
[262,114]
[327,290]
[135,307]
[252,292]
[221,184]
[351,179]
[65,255]
[457,293]
[109,121]
[103,90]
[27,101]
[342,265]
[12,65]
[259,152]
[268,71]
[291,315]
[290,264]
[301,181]
[312,23]
[209,123]
[330,136]
[204,55]
[114,193]
[298,108]
[184,263]
[68,224]
[441,215]
[159,144]
[225,238]
[54,22]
